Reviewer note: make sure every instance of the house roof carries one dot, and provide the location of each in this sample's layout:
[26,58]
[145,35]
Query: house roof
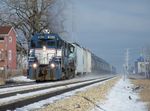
[5,29]
[140,59]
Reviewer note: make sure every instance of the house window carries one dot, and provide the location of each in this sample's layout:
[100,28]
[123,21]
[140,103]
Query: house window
[10,39]
[9,55]
[1,39]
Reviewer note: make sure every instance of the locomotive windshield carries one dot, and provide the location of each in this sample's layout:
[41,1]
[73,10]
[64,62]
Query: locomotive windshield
[41,40]
[47,43]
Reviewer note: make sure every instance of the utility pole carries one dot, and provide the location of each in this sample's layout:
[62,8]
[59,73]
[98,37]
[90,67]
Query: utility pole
[126,65]
[73,24]
[127,61]
[145,64]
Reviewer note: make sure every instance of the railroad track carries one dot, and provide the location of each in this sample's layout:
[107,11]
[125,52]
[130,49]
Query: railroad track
[26,88]
[39,94]
[10,84]
[15,84]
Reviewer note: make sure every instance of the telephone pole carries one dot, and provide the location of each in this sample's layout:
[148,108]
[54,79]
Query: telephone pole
[126,64]
[145,62]
[127,61]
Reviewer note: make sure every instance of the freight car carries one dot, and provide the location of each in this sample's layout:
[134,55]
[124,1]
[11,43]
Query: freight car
[52,58]
[87,62]
[99,65]
[82,60]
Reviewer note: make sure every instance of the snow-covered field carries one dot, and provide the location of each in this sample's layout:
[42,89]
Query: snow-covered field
[122,98]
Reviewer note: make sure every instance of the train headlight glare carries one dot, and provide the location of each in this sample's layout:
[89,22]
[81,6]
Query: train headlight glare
[34,65]
[31,51]
[52,65]
[44,48]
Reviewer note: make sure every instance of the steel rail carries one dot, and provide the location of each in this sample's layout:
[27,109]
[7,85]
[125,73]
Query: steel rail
[22,91]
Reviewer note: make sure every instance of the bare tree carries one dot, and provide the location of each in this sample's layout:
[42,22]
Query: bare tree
[30,16]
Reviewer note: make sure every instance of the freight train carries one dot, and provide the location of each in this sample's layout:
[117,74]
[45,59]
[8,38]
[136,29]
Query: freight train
[53,58]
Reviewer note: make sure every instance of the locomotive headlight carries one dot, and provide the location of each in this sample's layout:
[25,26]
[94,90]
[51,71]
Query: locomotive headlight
[44,48]
[31,51]
[52,65]
[34,65]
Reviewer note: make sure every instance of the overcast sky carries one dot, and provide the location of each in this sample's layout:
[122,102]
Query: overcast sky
[108,27]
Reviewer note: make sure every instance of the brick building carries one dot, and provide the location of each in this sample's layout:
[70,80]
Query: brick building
[7,47]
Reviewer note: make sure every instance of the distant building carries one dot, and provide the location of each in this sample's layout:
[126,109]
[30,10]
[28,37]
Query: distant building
[7,47]
[140,65]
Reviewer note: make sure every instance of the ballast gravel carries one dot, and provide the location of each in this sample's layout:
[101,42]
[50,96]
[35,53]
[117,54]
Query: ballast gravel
[142,87]
[83,101]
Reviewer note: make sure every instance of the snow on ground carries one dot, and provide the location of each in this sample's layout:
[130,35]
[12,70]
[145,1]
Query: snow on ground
[20,79]
[122,98]
[43,103]
[20,88]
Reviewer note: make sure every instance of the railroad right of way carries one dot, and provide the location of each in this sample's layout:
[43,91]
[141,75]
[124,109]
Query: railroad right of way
[21,100]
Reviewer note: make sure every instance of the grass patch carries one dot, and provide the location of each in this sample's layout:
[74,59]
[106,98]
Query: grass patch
[144,90]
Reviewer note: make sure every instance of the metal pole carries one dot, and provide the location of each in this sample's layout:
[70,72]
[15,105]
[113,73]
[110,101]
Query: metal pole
[127,61]
[124,72]
[145,69]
